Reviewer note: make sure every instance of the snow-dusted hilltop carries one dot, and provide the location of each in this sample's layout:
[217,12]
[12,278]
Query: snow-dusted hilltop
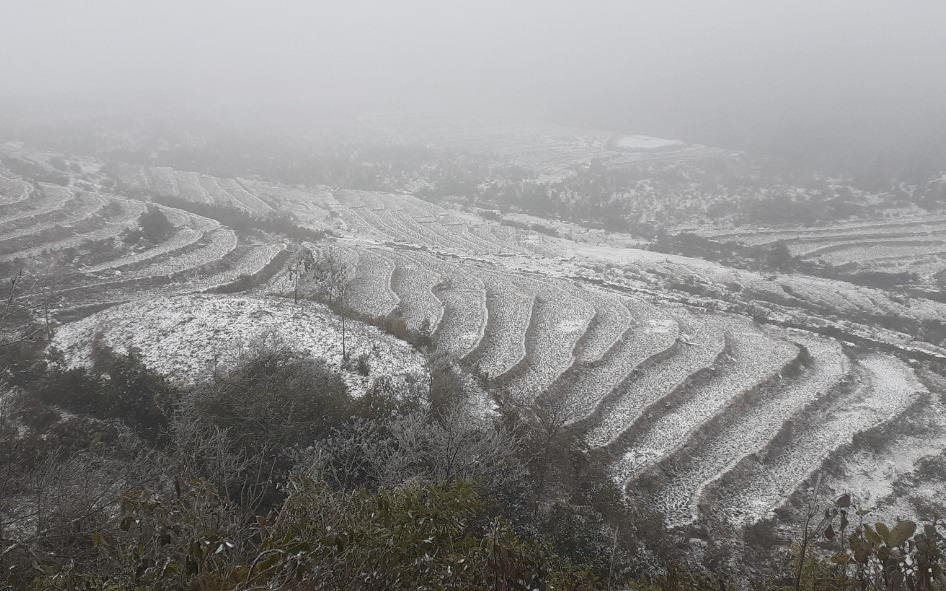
[188,337]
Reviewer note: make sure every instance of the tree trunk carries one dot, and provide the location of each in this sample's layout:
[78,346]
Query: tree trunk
[344,351]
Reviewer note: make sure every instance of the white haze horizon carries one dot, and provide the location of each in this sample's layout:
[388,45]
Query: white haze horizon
[680,69]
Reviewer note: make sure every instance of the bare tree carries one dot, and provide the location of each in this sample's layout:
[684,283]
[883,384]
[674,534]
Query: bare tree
[68,495]
[330,279]
[419,447]
[16,316]
[208,451]
[300,266]
[552,413]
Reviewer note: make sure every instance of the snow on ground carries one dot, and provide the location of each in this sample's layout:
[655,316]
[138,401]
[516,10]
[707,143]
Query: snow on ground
[509,310]
[659,333]
[888,388]
[750,431]
[756,358]
[655,381]
[888,477]
[185,337]
[645,142]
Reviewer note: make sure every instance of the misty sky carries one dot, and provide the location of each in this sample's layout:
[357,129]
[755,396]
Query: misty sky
[671,68]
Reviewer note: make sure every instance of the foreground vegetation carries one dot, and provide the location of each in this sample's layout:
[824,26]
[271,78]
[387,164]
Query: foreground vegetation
[271,475]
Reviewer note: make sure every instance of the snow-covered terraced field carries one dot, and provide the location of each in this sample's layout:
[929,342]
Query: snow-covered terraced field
[192,186]
[29,211]
[509,309]
[654,333]
[192,189]
[885,471]
[867,245]
[702,341]
[193,230]
[12,192]
[109,227]
[459,228]
[413,284]
[401,225]
[925,266]
[354,211]
[747,432]
[213,245]
[222,197]
[866,253]
[557,324]
[447,238]
[187,336]
[824,250]
[197,270]
[241,197]
[67,221]
[80,207]
[668,384]
[503,236]
[841,299]
[165,181]
[251,262]
[370,289]
[754,358]
[539,244]
[763,237]
[885,388]
[354,220]
[406,228]
[611,321]
[406,217]
[464,311]
[363,207]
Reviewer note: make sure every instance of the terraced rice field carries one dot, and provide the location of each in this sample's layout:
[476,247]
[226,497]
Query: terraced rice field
[251,261]
[199,255]
[704,344]
[74,210]
[370,292]
[753,359]
[686,403]
[413,284]
[44,201]
[741,434]
[191,186]
[509,311]
[867,246]
[464,310]
[557,324]
[652,335]
[192,231]
[881,389]
[12,192]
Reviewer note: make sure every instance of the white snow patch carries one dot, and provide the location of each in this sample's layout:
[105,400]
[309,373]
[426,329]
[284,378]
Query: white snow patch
[187,337]
[660,326]
[570,325]
[645,142]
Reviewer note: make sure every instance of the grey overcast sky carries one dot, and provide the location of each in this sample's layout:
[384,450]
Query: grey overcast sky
[671,67]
